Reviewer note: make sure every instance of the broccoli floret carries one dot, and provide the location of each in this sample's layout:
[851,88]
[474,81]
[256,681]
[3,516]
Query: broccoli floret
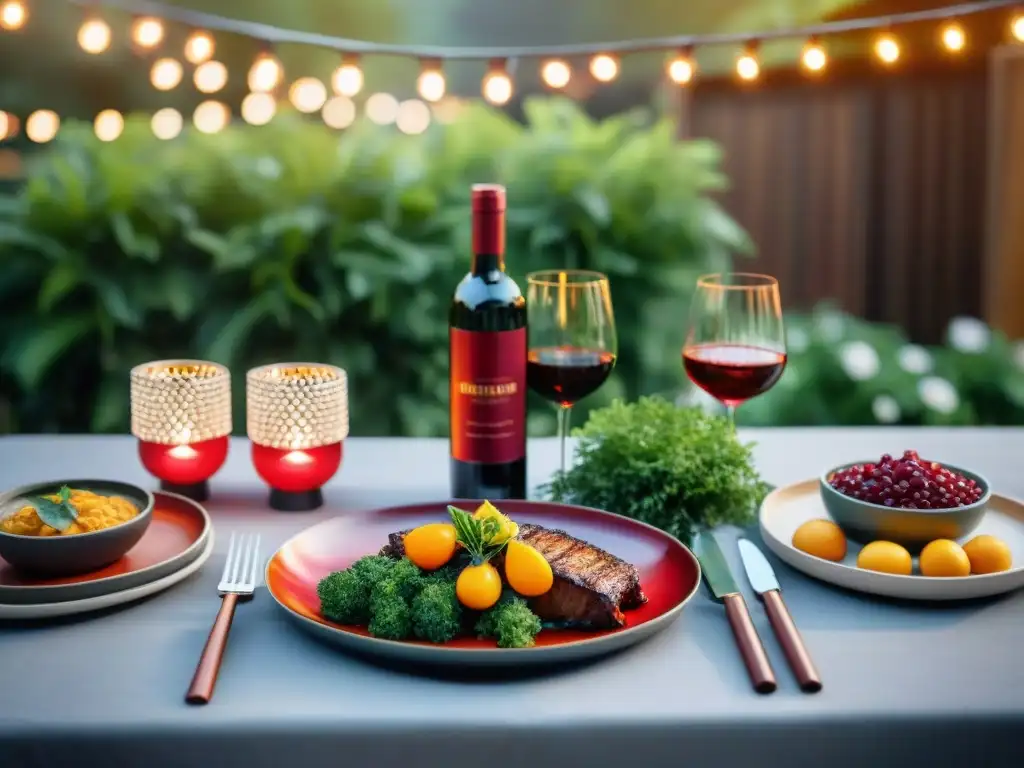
[511,623]
[344,597]
[408,578]
[391,617]
[372,568]
[436,612]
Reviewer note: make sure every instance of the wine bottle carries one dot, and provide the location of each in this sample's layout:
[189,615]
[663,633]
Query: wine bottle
[487,364]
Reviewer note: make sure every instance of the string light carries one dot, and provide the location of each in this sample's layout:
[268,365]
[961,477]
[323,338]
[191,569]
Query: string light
[682,67]
[1017,27]
[166,74]
[556,73]
[814,58]
[747,66]
[42,125]
[211,116]
[167,123]
[5,125]
[259,108]
[108,125]
[307,94]
[604,68]
[339,112]
[382,108]
[265,73]
[13,15]
[887,49]
[210,76]
[954,37]
[413,117]
[147,32]
[431,84]
[199,47]
[94,36]
[497,85]
[347,79]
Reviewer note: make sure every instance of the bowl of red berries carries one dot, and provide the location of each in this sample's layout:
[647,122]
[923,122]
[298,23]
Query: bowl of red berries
[906,499]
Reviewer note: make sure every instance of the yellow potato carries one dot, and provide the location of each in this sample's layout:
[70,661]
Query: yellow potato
[821,538]
[944,558]
[885,557]
[988,554]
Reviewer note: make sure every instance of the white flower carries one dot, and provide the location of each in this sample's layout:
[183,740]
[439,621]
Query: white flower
[938,394]
[859,360]
[830,327]
[969,334]
[913,358]
[886,409]
[797,341]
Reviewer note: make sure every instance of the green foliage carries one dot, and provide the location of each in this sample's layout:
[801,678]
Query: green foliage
[287,242]
[679,469]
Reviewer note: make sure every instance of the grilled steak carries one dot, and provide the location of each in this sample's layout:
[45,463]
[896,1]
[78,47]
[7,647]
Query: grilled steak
[591,586]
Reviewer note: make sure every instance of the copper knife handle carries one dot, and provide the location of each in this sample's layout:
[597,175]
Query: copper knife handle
[791,642]
[201,689]
[756,660]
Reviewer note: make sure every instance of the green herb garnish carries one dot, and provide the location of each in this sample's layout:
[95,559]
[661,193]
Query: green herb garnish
[58,514]
[477,535]
[678,469]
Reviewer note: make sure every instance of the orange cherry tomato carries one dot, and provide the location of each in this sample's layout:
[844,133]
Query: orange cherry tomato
[478,586]
[430,546]
[527,571]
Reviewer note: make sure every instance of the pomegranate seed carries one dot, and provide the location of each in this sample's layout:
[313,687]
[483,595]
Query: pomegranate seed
[909,482]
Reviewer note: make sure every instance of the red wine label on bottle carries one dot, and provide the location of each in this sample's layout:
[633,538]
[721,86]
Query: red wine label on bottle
[488,395]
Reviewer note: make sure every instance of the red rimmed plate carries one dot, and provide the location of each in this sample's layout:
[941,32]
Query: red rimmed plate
[174,539]
[669,576]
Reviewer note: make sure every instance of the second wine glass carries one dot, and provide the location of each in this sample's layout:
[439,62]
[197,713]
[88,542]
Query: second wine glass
[572,343]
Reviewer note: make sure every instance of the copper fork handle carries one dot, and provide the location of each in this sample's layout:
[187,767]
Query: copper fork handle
[205,678]
[791,642]
[756,660]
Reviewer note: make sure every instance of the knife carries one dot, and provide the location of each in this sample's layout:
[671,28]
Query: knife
[762,579]
[723,586]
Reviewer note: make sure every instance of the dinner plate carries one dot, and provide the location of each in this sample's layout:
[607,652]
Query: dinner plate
[111,599]
[175,537]
[669,576]
[786,509]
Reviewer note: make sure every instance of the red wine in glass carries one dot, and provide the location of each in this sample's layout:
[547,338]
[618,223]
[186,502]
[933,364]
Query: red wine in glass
[733,373]
[565,375]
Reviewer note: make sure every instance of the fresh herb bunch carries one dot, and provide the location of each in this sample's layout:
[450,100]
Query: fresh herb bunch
[678,469]
[482,537]
[59,514]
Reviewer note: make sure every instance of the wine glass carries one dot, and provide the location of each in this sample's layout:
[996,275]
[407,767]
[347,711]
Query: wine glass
[736,346]
[572,344]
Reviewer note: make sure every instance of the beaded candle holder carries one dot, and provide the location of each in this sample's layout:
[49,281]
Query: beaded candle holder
[297,420]
[181,414]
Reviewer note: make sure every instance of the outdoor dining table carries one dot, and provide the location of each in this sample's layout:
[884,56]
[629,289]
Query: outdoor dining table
[905,684]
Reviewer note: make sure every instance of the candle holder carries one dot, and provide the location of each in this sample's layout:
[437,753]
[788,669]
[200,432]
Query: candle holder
[181,414]
[297,420]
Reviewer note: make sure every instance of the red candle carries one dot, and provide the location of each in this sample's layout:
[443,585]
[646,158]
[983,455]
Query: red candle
[185,464]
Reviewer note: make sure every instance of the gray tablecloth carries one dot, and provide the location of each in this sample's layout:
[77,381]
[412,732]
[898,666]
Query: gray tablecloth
[905,684]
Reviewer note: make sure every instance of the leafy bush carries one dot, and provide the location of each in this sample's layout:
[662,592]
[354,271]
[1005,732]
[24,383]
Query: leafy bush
[287,242]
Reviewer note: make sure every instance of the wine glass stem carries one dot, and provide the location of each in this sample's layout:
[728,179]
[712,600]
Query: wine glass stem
[731,410]
[563,429]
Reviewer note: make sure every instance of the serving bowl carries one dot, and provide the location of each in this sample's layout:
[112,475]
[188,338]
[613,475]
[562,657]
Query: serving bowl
[74,554]
[864,521]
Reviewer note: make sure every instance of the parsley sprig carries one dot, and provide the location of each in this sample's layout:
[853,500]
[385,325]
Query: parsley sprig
[476,535]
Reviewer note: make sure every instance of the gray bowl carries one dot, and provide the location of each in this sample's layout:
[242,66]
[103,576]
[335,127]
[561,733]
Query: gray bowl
[865,522]
[72,555]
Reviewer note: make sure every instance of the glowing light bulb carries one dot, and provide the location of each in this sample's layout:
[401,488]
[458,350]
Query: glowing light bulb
[42,125]
[339,112]
[497,87]
[147,32]
[382,108]
[747,67]
[211,116]
[199,47]
[5,126]
[259,108]
[307,94]
[681,69]
[347,79]
[1017,27]
[13,15]
[887,49]
[604,68]
[167,123]
[431,84]
[210,76]
[413,117]
[814,57]
[954,37]
[165,74]
[556,73]
[265,73]
[108,125]
[94,36]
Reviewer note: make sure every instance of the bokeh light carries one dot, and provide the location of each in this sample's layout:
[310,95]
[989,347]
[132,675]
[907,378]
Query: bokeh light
[147,32]
[210,76]
[211,117]
[167,123]
[94,36]
[382,108]
[165,74]
[108,125]
[413,117]
[556,73]
[199,47]
[13,15]
[42,125]
[307,94]
[339,112]
[604,68]
[259,108]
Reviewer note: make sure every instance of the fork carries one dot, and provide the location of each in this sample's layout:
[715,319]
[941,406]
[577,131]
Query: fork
[238,582]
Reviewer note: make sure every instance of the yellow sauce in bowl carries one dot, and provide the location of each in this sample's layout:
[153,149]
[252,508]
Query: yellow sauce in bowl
[95,512]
